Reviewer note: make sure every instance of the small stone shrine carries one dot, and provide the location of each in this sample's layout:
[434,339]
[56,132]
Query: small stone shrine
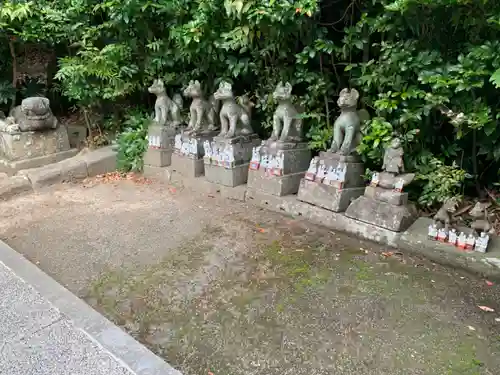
[335,178]
[384,203]
[189,143]
[161,132]
[32,137]
[279,163]
[228,156]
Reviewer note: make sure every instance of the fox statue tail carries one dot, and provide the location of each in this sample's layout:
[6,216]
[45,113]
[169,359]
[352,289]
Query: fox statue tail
[247,104]
[214,103]
[177,99]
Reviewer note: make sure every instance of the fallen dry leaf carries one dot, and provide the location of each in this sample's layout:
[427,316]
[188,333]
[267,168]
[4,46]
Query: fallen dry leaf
[486,308]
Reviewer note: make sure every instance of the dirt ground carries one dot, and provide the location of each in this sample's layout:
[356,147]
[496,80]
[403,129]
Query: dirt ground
[216,286]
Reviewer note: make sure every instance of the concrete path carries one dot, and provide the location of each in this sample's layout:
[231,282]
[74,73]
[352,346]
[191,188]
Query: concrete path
[46,330]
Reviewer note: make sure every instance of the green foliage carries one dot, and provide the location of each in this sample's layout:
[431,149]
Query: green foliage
[427,70]
[132,143]
[440,182]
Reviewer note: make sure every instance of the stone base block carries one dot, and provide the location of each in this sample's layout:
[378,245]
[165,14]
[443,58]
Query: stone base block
[275,185]
[385,195]
[11,167]
[160,136]
[186,166]
[353,177]
[327,196]
[231,177]
[158,157]
[382,214]
[294,157]
[29,145]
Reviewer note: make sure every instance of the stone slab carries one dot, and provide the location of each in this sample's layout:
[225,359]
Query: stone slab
[36,162]
[64,171]
[100,161]
[386,195]
[158,157]
[382,214]
[231,177]
[187,166]
[82,341]
[327,196]
[22,310]
[28,145]
[12,186]
[275,185]
[289,205]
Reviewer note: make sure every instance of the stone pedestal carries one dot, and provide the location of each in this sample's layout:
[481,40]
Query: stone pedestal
[385,208]
[33,149]
[332,182]
[187,158]
[227,160]
[279,168]
[160,146]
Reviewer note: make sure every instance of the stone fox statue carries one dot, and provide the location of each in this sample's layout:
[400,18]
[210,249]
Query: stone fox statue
[286,124]
[234,117]
[167,111]
[347,127]
[202,112]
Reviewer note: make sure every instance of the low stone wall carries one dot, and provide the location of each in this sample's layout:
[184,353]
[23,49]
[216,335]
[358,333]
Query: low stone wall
[413,240]
[85,164]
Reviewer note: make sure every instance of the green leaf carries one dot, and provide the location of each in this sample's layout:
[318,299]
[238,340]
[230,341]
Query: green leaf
[495,78]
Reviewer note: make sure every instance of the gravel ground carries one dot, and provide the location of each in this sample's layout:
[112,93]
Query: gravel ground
[216,286]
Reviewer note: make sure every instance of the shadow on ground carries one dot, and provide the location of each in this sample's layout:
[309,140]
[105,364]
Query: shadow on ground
[244,291]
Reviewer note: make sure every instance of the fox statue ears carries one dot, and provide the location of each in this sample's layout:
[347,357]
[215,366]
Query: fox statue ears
[287,87]
[353,93]
[225,85]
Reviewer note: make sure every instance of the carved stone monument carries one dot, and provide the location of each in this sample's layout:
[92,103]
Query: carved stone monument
[189,144]
[228,156]
[335,177]
[278,165]
[384,203]
[161,132]
[32,137]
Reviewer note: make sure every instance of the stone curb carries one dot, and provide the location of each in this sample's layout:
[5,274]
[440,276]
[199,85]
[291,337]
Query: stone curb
[413,240]
[85,164]
[116,342]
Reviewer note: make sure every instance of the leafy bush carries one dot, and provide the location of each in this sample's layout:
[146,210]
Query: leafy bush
[132,143]
[440,182]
